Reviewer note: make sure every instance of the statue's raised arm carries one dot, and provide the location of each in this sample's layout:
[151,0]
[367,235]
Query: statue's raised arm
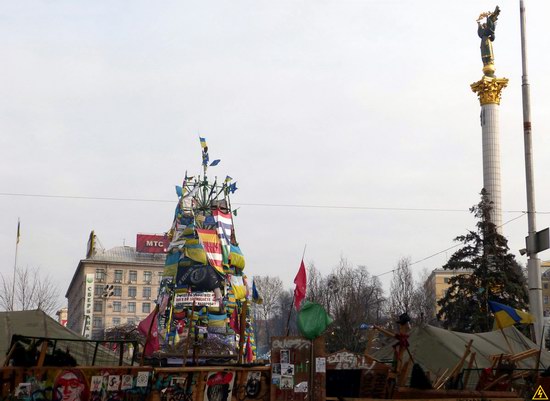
[486,31]
[494,16]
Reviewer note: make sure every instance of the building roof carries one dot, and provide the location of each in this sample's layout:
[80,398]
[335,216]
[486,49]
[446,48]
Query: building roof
[119,254]
[126,254]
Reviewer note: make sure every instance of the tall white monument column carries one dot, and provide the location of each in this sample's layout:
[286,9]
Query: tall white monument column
[489,90]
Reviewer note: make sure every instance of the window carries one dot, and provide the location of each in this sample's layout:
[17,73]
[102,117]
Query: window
[446,280]
[132,291]
[147,277]
[131,320]
[97,322]
[117,291]
[118,276]
[159,275]
[133,276]
[116,321]
[100,275]
[146,292]
[131,307]
[545,299]
[98,306]
[146,307]
[98,290]
[545,286]
[117,306]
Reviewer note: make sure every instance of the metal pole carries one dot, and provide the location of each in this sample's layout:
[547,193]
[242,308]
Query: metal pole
[15,266]
[533,263]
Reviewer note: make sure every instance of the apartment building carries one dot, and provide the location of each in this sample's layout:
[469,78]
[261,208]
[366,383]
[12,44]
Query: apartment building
[113,287]
[438,282]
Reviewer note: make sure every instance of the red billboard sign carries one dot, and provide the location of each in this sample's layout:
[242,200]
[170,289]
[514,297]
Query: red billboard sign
[152,243]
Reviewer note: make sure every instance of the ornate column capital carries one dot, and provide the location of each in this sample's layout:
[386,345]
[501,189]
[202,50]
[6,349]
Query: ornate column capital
[489,89]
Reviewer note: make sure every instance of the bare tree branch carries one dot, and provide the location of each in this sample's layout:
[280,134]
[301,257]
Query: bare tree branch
[401,289]
[32,291]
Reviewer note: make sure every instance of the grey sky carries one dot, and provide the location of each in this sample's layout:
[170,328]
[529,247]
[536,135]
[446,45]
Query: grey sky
[327,102]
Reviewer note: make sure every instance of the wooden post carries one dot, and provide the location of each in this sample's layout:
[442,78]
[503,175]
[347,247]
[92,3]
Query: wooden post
[242,330]
[95,353]
[186,348]
[402,375]
[43,350]
[310,390]
[470,364]
[121,353]
[507,342]
[289,315]
[370,336]
[11,351]
[460,363]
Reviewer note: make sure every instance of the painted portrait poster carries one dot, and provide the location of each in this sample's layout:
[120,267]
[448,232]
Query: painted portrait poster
[70,385]
[219,386]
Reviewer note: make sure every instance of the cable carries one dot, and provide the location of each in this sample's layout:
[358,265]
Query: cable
[283,205]
[105,198]
[86,197]
[445,250]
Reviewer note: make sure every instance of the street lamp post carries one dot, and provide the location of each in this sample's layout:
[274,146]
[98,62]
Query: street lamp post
[108,291]
[533,264]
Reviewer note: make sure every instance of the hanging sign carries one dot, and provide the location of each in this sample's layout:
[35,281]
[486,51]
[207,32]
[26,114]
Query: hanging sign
[152,243]
[200,298]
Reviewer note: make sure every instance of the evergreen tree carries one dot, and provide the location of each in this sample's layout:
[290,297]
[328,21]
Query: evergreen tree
[485,271]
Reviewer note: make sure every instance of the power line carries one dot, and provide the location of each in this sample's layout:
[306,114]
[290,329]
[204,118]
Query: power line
[447,249]
[85,197]
[287,205]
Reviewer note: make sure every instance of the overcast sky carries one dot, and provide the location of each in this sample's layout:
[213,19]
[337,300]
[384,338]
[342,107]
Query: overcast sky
[361,106]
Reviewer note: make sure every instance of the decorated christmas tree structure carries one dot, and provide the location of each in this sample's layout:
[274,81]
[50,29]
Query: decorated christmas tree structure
[204,295]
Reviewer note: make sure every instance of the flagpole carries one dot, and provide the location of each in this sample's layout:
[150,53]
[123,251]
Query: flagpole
[289,314]
[15,264]
[226,195]
[293,298]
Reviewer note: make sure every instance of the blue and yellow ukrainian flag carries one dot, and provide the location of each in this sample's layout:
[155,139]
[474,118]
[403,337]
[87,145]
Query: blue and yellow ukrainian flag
[506,316]
[203,142]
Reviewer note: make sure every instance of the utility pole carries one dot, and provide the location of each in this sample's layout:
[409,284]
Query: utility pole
[533,263]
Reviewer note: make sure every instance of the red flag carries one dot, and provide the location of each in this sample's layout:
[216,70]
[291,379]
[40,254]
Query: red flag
[249,352]
[234,321]
[152,343]
[300,291]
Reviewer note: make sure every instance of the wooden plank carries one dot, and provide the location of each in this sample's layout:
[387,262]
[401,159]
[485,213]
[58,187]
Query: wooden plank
[469,369]
[295,351]
[43,351]
[374,382]
[319,378]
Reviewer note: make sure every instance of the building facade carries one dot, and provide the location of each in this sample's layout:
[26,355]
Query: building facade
[438,282]
[111,288]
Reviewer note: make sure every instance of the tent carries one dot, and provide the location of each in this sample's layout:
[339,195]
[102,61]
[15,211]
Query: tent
[36,323]
[437,349]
